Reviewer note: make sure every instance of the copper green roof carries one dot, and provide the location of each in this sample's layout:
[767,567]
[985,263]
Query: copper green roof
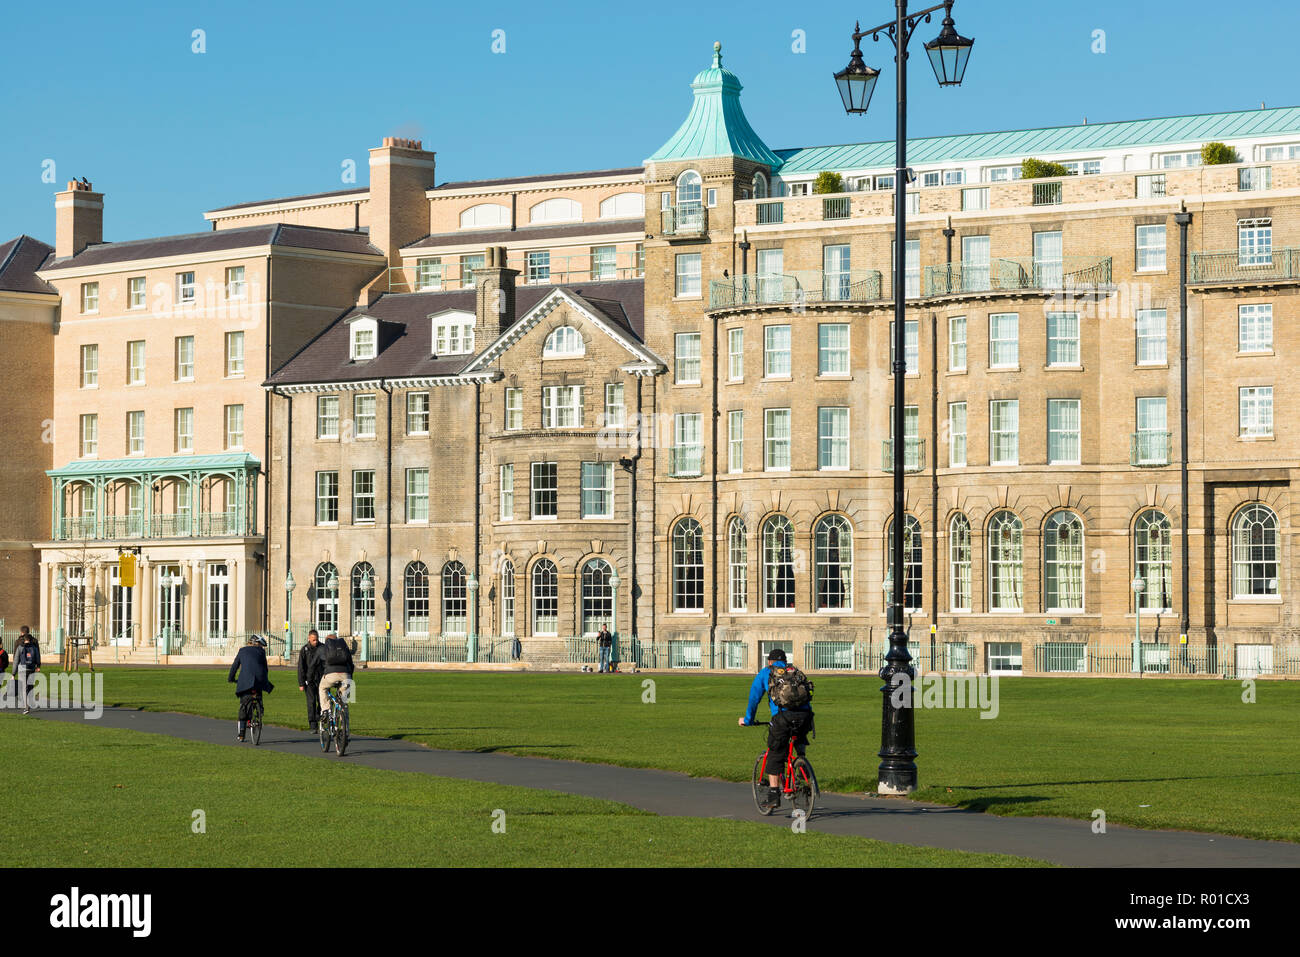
[716,125]
[1018,144]
[162,464]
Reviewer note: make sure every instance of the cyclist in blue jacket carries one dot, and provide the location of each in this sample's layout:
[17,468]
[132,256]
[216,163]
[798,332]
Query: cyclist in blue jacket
[786,723]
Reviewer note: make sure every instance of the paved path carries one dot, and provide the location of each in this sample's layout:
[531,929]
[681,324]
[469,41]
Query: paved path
[1061,840]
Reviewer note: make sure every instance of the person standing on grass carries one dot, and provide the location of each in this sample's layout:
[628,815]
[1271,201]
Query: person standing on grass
[606,642]
[27,661]
[309,672]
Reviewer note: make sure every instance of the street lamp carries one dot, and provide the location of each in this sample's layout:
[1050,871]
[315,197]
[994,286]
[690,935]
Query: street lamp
[949,54]
[169,590]
[60,583]
[1139,586]
[368,611]
[472,586]
[332,589]
[289,586]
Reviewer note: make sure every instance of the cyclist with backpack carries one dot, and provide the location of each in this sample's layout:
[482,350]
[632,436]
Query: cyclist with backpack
[789,692]
[336,668]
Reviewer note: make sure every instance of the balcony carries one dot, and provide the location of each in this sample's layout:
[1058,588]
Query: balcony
[1149,450]
[686,461]
[1018,275]
[800,288]
[770,213]
[913,455]
[836,207]
[691,220]
[1047,194]
[1231,266]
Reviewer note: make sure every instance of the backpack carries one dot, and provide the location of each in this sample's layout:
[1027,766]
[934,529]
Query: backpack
[336,652]
[789,687]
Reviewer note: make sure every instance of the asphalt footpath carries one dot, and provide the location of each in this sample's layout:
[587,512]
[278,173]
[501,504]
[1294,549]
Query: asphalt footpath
[897,821]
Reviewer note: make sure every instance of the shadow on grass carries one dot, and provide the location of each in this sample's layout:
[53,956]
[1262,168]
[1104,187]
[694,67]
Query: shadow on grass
[1050,784]
[988,803]
[493,748]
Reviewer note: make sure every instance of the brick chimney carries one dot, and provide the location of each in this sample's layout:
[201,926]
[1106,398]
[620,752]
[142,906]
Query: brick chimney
[494,306]
[78,218]
[400,171]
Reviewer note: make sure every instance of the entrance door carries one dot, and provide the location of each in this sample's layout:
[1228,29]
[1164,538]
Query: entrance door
[121,610]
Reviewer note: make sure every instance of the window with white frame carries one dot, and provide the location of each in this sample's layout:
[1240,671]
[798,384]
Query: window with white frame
[89,434]
[1151,248]
[959,563]
[1004,340]
[363,497]
[1252,178]
[737,566]
[1049,260]
[1255,242]
[1151,186]
[911,346]
[184,430]
[1063,562]
[1152,337]
[508,598]
[557,210]
[135,293]
[468,264]
[1063,339]
[89,297]
[623,206]
[688,566]
[1063,431]
[1180,160]
[1256,411]
[327,498]
[735,440]
[562,407]
[688,276]
[1006,562]
[484,215]
[546,598]
[932,178]
[976,266]
[956,343]
[507,492]
[776,440]
[454,335]
[234,426]
[184,358]
[135,362]
[833,564]
[1004,432]
[911,265]
[837,275]
[186,288]
[1255,327]
[1280,152]
[428,273]
[538,266]
[597,489]
[597,596]
[327,417]
[364,340]
[1002,174]
[615,410]
[90,366]
[1082,167]
[832,438]
[956,434]
[234,354]
[236,287]
[1152,429]
[1254,552]
[564,343]
[771,275]
[417,495]
[776,351]
[604,262]
[778,564]
[363,416]
[544,489]
[736,354]
[833,348]
[135,433]
[1153,555]
[975,198]
[514,409]
[688,444]
[913,562]
[417,413]
[688,358]
[911,436]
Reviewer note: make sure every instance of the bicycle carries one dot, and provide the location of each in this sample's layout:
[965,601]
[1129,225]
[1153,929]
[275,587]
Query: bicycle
[798,781]
[255,719]
[335,728]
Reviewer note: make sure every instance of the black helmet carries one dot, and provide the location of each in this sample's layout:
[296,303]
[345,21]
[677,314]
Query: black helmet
[776,654]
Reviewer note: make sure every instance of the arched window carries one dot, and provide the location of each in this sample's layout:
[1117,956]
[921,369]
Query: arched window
[913,578]
[760,185]
[597,596]
[623,206]
[546,598]
[416,603]
[558,210]
[484,215]
[738,565]
[363,601]
[1153,559]
[688,566]
[1006,562]
[455,606]
[959,560]
[1254,552]
[778,564]
[833,547]
[1063,562]
[326,598]
[689,190]
[564,342]
[508,599]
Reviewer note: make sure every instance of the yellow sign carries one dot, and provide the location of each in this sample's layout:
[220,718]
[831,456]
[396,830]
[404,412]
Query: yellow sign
[934,629]
[126,570]
[1182,639]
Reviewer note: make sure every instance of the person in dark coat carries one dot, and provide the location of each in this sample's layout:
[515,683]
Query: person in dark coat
[254,677]
[27,661]
[309,672]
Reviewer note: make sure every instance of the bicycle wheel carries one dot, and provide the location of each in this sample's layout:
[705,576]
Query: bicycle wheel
[805,787]
[256,724]
[341,732]
[760,783]
[325,731]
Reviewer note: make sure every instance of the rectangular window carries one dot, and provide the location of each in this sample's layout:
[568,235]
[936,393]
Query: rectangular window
[562,407]
[688,275]
[931,178]
[135,362]
[1004,340]
[507,494]
[514,409]
[615,410]
[956,434]
[327,417]
[363,416]
[135,292]
[771,275]
[1151,186]
[911,436]
[1255,328]
[363,343]
[327,498]
[912,263]
[1180,160]
[776,440]
[957,344]
[1002,174]
[776,351]
[89,434]
[234,416]
[90,366]
[735,440]
[417,495]
[954,177]
[454,338]
[363,497]
[135,433]
[688,358]
[1152,416]
[185,430]
[428,273]
[688,445]
[234,354]
[417,413]
[1151,248]
[1063,432]
[1048,261]
[186,288]
[89,297]
[467,266]
[597,489]
[604,262]
[1256,405]
[832,438]
[911,346]
[1004,432]
[236,288]
[976,268]
[539,266]
[837,278]
[1063,339]
[545,490]
[184,358]
[1252,178]
[833,348]
[1255,242]
[1152,339]
[976,198]
[1278,154]
[712,197]
[735,354]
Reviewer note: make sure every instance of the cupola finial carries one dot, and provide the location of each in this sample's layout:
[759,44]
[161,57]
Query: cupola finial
[717,54]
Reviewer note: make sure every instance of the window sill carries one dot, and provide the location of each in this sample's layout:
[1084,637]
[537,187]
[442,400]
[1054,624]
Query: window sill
[1256,600]
[1252,353]
[1060,367]
[735,382]
[413,435]
[688,298]
[370,523]
[551,518]
[956,372]
[777,378]
[425,521]
[1256,438]
[336,525]
[1151,365]
[696,384]
[1003,369]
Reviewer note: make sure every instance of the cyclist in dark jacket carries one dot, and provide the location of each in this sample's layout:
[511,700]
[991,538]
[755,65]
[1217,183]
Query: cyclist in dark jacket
[309,672]
[786,723]
[254,677]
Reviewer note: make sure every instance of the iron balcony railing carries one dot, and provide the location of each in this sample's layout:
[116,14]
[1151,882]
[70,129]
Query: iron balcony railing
[1277,265]
[1149,449]
[806,287]
[1047,194]
[770,213]
[913,455]
[1015,275]
[687,460]
[836,207]
[182,525]
[691,219]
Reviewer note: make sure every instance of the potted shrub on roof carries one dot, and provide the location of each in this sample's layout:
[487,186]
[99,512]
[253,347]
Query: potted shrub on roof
[1038,169]
[1218,154]
[828,182]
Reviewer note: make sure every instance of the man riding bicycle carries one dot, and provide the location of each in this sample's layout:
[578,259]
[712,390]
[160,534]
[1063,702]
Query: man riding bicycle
[789,721]
[254,677]
[336,668]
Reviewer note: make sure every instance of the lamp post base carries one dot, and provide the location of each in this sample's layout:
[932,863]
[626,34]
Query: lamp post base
[899,783]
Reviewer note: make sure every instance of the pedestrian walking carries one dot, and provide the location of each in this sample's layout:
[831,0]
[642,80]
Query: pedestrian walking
[27,661]
[309,672]
[606,643]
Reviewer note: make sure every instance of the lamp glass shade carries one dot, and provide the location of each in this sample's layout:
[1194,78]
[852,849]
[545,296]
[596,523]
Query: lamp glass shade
[949,53]
[289,583]
[856,83]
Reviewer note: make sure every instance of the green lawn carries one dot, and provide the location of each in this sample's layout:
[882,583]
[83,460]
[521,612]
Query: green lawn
[1190,750]
[86,796]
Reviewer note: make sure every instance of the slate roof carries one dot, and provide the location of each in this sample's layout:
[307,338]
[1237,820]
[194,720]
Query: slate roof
[19,260]
[292,199]
[489,237]
[541,178]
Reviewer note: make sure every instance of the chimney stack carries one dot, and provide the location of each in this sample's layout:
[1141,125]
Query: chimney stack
[78,218]
[494,307]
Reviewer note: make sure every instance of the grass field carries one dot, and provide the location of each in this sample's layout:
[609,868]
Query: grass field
[1150,753]
[84,796]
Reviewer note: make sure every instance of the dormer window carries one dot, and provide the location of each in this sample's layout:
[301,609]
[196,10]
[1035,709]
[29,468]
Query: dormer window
[453,333]
[564,343]
[364,339]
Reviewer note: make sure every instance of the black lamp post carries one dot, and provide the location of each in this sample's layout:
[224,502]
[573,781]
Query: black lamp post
[949,53]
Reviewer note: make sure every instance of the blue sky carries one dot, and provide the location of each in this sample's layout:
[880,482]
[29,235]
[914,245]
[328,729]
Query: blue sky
[285,93]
